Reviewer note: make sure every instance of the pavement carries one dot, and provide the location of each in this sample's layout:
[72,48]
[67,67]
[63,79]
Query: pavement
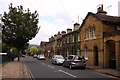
[18,69]
[107,71]
[15,69]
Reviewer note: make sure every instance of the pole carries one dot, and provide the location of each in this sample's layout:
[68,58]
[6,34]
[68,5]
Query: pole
[74,42]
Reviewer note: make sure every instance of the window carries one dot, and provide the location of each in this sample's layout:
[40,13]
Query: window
[93,32]
[64,41]
[78,58]
[86,34]
[90,33]
[68,39]
[118,27]
[73,38]
[67,52]
[78,51]
[78,37]
[61,44]
[86,53]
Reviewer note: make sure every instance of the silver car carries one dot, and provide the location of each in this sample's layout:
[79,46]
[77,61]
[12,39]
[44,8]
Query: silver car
[41,57]
[74,61]
[57,59]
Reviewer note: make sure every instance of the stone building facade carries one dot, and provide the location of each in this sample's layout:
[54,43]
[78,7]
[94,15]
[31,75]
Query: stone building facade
[97,39]
[100,40]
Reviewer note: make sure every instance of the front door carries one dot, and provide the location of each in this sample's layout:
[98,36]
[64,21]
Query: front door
[96,56]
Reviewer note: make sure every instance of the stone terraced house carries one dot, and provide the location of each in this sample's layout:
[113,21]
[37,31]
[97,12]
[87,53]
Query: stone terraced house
[97,39]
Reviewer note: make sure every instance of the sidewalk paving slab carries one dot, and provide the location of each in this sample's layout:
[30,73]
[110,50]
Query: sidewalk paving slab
[108,71]
[14,69]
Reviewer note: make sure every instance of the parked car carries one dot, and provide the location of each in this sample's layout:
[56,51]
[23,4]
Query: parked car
[75,61]
[41,57]
[34,56]
[57,59]
[23,55]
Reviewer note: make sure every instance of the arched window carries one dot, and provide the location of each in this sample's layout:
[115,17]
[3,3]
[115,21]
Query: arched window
[90,33]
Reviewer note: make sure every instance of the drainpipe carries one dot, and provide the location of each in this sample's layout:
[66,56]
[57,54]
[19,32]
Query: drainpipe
[103,45]
[74,42]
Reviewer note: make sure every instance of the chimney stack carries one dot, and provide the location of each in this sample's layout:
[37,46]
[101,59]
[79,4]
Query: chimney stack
[58,35]
[69,30]
[63,32]
[100,10]
[76,26]
[50,39]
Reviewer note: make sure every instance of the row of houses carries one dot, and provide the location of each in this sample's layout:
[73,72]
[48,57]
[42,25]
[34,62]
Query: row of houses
[97,39]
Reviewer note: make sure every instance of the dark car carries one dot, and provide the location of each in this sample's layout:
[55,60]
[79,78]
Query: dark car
[75,61]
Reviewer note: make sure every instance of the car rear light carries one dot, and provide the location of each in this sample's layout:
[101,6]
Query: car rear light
[72,60]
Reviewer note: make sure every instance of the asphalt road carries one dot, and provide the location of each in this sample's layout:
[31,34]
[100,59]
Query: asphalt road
[44,69]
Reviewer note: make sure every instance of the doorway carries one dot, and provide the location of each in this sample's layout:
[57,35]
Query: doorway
[95,55]
[111,54]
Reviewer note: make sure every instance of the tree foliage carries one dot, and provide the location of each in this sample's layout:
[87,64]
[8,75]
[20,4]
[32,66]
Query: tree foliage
[19,26]
[33,50]
[5,48]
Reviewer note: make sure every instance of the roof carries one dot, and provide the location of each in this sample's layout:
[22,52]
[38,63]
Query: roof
[105,18]
[42,43]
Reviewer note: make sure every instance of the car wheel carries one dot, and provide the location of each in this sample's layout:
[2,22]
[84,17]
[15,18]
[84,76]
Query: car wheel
[70,66]
[83,68]
[51,62]
[63,65]
[55,62]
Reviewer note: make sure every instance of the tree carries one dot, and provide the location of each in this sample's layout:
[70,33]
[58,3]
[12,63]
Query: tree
[13,52]
[24,49]
[5,48]
[33,50]
[19,26]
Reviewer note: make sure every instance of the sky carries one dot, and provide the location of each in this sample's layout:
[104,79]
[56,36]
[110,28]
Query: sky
[59,15]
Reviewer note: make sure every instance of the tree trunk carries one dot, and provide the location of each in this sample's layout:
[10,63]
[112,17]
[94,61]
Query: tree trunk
[19,54]
[18,57]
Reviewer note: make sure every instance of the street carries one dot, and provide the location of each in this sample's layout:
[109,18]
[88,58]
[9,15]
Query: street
[44,69]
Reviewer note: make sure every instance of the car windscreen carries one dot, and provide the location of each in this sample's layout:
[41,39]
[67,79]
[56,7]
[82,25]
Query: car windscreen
[79,58]
[70,57]
[59,57]
[42,55]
